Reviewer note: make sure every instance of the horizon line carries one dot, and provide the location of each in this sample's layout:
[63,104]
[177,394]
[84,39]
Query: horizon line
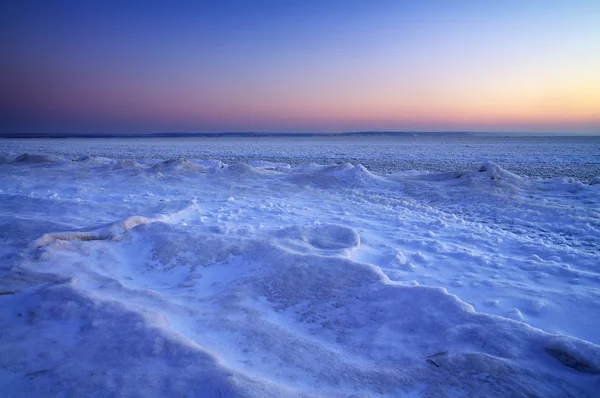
[262,134]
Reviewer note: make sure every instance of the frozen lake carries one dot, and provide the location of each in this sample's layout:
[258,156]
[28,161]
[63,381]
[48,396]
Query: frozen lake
[577,157]
[284,268]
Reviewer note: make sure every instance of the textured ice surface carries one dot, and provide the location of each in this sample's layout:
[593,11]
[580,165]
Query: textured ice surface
[139,277]
[577,157]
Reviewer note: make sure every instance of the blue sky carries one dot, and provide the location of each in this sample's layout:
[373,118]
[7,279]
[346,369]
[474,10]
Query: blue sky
[89,67]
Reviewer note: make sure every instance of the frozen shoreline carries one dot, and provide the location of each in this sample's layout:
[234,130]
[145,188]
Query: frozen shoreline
[177,277]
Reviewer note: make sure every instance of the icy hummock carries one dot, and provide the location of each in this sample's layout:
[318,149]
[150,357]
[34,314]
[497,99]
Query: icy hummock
[200,278]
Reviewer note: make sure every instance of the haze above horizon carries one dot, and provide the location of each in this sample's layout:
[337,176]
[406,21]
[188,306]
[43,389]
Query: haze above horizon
[300,66]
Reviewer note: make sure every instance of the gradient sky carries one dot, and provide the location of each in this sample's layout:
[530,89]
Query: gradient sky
[295,66]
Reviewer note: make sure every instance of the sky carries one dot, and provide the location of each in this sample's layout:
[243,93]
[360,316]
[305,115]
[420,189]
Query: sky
[300,66]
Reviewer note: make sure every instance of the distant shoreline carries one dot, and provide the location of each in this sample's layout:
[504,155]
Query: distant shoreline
[451,134]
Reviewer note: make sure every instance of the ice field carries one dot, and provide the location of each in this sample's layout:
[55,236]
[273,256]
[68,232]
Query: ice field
[470,269]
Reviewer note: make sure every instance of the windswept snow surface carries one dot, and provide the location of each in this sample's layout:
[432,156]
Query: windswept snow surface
[198,278]
[577,157]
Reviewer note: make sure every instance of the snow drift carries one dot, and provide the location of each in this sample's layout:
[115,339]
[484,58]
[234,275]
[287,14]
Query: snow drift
[313,280]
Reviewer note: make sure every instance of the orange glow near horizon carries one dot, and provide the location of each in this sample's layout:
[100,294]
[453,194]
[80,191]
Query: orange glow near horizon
[499,67]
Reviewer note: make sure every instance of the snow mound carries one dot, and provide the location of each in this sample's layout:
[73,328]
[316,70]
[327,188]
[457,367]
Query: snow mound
[112,231]
[211,164]
[176,165]
[28,158]
[595,181]
[242,168]
[108,165]
[496,172]
[126,164]
[564,184]
[345,175]
[489,170]
[574,353]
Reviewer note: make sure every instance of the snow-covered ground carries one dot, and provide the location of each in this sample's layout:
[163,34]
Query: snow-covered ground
[198,278]
[577,157]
